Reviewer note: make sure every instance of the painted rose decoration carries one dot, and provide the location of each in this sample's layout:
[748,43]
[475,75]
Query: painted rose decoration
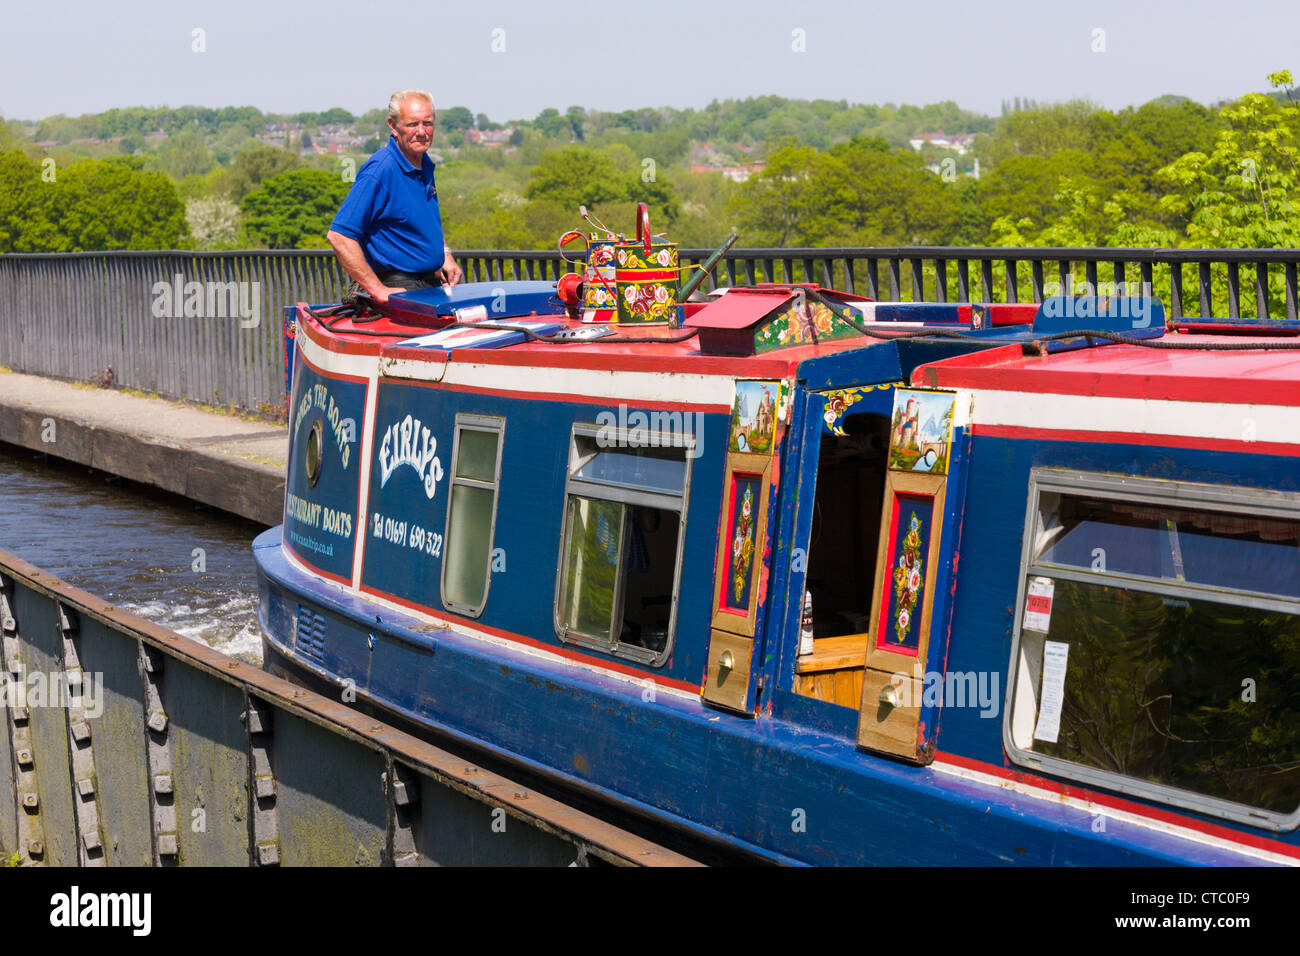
[742,544]
[837,403]
[909,578]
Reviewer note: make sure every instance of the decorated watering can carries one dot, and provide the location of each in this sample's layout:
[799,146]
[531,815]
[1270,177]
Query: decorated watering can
[628,282]
[599,296]
[646,275]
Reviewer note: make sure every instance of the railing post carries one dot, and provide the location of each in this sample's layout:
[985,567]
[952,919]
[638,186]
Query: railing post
[1203,280]
[1175,290]
[1013,294]
[986,280]
[941,279]
[1291,291]
[918,281]
[1261,290]
[828,277]
[1036,276]
[963,280]
[873,279]
[894,279]
[1234,291]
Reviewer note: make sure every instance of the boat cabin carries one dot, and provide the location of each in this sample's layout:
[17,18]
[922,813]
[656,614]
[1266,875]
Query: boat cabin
[802,572]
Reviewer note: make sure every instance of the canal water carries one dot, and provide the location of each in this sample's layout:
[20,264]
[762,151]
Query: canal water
[174,562]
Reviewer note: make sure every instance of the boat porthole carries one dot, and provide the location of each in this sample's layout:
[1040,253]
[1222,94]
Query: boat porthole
[314,453]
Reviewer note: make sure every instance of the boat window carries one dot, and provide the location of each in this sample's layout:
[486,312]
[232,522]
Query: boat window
[654,469]
[1242,552]
[471,513]
[621,550]
[1158,643]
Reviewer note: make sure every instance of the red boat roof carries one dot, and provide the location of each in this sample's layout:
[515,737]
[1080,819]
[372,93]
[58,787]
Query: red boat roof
[1129,371]
[381,335]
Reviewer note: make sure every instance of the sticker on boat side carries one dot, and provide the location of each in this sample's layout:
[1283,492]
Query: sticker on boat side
[1038,605]
[1055,654]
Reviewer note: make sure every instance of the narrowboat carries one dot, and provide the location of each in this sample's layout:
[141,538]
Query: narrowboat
[825,580]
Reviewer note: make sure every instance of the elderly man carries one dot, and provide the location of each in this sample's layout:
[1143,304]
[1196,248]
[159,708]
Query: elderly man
[388,232]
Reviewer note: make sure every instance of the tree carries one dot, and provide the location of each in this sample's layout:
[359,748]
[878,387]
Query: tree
[551,123]
[576,116]
[799,199]
[19,177]
[213,221]
[1245,193]
[184,154]
[257,163]
[93,205]
[577,175]
[455,118]
[293,210]
[896,200]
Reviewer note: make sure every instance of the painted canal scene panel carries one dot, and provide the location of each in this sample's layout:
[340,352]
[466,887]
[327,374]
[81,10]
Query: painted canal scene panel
[802,537]
[753,417]
[921,433]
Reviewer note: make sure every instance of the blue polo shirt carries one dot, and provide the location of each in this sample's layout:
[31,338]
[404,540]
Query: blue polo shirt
[392,212]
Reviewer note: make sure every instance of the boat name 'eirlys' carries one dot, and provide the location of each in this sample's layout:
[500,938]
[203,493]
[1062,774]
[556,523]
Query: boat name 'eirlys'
[409,442]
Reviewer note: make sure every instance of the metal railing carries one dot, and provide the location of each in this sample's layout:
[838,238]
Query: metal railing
[73,315]
[219,342]
[981,274]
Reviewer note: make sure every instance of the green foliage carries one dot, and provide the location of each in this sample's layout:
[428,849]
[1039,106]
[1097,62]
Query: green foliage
[1244,193]
[861,193]
[184,154]
[577,176]
[1169,172]
[795,200]
[292,210]
[89,205]
[213,222]
[255,164]
[455,118]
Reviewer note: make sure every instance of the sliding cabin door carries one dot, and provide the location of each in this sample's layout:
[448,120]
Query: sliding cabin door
[908,570]
[740,570]
[852,462]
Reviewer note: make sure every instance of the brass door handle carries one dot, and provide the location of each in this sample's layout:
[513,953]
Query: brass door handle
[889,695]
[726,661]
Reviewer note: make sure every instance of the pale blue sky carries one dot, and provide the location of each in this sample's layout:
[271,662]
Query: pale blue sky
[84,57]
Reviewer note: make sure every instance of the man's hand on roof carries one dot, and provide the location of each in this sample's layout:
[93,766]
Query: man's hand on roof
[451,273]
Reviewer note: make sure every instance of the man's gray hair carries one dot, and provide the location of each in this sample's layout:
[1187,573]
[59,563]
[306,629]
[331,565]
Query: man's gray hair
[401,96]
